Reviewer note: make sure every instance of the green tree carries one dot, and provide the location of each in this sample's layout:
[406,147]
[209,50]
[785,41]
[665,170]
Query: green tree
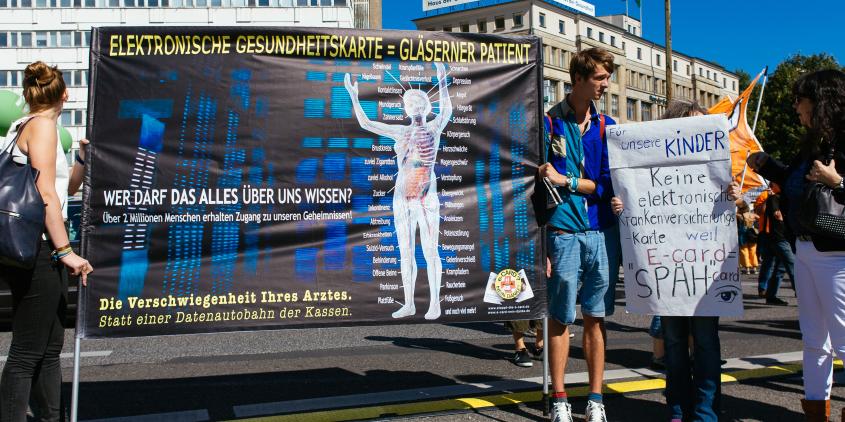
[778,128]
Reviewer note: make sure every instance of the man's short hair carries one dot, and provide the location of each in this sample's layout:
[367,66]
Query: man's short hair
[585,62]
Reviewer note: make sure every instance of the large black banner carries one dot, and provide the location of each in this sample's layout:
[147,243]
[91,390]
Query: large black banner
[260,178]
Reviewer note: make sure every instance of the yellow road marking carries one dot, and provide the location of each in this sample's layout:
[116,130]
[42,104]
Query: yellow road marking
[497,400]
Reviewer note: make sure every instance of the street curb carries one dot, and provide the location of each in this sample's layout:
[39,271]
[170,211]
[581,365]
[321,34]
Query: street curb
[510,399]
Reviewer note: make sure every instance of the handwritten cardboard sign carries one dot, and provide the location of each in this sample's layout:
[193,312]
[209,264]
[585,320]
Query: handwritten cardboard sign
[678,230]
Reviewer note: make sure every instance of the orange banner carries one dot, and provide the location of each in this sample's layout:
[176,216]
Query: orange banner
[743,141]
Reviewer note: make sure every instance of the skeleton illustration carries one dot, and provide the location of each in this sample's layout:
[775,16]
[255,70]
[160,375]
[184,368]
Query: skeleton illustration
[415,200]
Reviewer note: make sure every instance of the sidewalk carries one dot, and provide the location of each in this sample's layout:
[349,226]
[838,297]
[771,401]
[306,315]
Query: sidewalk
[764,388]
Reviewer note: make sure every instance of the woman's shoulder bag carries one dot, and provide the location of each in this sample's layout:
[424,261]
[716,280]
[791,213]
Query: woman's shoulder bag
[22,210]
[820,213]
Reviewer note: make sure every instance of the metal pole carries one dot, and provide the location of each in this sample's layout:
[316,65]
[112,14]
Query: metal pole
[546,366]
[760,100]
[74,401]
[668,51]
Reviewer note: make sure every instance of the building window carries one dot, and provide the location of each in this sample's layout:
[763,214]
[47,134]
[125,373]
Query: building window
[614,105]
[601,36]
[658,59]
[639,53]
[542,20]
[563,61]
[631,109]
[41,39]
[561,27]
[724,82]
[567,88]
[464,27]
[623,45]
[65,38]
[66,118]
[78,117]
[517,20]
[602,104]
[645,111]
[675,65]
[700,72]
[482,26]
[80,78]
[590,33]
[549,92]
[734,85]
[614,77]
[500,23]
[613,40]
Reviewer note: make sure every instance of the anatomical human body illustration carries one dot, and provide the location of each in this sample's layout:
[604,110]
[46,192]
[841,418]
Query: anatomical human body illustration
[415,200]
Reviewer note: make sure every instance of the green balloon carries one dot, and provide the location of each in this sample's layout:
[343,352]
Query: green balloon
[11,109]
[65,139]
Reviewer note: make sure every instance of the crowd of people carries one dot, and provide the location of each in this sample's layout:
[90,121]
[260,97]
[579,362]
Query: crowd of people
[583,248]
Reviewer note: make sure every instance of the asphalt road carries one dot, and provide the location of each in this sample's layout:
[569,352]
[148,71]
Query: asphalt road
[236,375]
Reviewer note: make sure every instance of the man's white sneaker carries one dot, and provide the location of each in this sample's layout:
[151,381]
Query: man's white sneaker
[595,412]
[561,411]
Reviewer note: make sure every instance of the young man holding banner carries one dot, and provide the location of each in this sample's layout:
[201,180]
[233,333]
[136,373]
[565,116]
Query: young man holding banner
[582,236]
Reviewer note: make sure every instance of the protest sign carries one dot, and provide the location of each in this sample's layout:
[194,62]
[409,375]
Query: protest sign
[678,230]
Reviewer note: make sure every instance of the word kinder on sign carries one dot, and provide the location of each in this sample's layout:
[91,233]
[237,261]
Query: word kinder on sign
[678,230]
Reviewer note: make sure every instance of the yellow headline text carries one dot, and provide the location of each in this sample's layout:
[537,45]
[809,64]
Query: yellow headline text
[320,45]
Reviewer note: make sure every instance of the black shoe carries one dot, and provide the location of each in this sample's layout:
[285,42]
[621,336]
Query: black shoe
[658,364]
[521,358]
[761,293]
[776,302]
[537,352]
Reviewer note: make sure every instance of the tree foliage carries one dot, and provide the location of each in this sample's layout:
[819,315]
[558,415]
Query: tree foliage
[778,129]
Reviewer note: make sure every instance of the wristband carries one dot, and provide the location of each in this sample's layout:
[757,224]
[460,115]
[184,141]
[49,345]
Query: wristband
[61,253]
[573,182]
[841,184]
[79,160]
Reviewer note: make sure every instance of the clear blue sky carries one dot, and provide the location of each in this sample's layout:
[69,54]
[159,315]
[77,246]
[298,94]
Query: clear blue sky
[738,34]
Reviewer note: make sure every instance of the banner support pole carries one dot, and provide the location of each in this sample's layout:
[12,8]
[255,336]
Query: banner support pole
[760,100]
[546,366]
[74,401]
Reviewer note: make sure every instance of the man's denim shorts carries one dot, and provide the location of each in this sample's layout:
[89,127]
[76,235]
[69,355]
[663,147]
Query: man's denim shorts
[577,257]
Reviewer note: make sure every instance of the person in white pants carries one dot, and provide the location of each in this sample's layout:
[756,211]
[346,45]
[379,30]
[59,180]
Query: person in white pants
[820,254]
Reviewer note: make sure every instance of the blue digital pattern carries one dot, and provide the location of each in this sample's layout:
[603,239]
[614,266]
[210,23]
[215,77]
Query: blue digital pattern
[184,241]
[519,134]
[134,258]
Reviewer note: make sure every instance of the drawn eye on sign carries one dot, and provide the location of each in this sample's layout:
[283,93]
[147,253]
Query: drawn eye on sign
[726,294]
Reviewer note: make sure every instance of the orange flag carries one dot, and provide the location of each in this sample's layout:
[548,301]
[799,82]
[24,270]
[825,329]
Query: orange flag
[743,141]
